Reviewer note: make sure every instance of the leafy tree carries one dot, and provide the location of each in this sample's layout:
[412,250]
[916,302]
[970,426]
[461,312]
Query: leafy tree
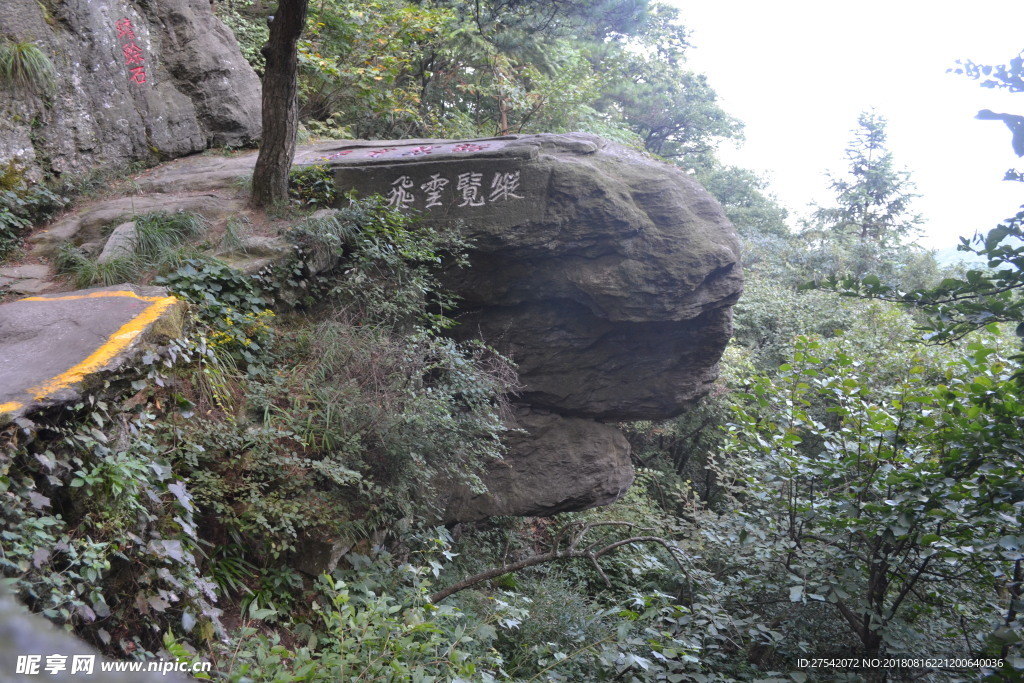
[671,108]
[359,66]
[886,491]
[504,64]
[1010,77]
[280,104]
[873,199]
[958,306]
[744,197]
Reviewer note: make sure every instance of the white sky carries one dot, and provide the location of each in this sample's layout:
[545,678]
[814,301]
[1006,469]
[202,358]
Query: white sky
[798,72]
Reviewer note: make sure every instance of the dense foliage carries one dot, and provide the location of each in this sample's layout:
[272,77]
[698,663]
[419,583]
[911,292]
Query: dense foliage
[450,68]
[844,491]
[22,204]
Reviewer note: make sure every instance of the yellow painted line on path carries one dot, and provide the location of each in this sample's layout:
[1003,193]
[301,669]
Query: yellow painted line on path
[9,407]
[93,295]
[115,344]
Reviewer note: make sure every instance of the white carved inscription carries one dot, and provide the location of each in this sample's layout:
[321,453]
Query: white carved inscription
[469,189]
[399,197]
[469,186]
[434,188]
[504,187]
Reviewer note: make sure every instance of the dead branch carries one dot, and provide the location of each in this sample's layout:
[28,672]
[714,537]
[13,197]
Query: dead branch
[592,552]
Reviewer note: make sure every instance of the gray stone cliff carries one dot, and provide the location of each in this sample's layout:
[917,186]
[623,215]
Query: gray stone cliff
[136,80]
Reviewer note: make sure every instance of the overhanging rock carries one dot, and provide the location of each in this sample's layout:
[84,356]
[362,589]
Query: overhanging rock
[607,276]
[556,464]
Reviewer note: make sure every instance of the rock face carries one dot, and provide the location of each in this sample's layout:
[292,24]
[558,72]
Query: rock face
[557,464]
[608,277]
[135,80]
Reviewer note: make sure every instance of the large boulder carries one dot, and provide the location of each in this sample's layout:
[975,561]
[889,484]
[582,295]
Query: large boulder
[606,275]
[556,464]
[135,80]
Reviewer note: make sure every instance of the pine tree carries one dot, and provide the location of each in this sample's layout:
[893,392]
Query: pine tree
[873,198]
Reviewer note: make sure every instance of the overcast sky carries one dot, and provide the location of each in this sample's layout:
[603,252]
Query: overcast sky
[798,72]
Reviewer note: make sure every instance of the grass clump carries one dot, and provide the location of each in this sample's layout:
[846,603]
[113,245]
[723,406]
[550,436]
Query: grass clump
[24,66]
[160,235]
[160,245]
[86,272]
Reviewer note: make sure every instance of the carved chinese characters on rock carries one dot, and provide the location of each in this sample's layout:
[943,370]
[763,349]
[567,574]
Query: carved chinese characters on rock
[408,151]
[504,187]
[434,188]
[133,58]
[399,197]
[469,189]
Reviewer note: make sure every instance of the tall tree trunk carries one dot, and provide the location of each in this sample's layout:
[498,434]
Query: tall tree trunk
[280,104]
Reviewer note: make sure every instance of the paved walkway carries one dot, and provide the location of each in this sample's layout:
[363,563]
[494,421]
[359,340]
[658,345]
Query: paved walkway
[50,343]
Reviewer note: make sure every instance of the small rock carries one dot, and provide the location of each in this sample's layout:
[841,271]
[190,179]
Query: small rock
[91,249]
[318,556]
[35,271]
[29,286]
[120,244]
[255,245]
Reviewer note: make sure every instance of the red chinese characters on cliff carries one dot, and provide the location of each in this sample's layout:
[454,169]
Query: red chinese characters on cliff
[133,58]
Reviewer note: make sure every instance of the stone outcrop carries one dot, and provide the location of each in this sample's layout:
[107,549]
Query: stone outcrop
[556,464]
[607,276]
[136,80]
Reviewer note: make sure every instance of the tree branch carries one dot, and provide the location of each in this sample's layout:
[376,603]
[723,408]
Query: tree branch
[572,552]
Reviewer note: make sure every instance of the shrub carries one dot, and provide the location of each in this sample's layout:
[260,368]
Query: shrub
[312,185]
[97,531]
[22,203]
[370,623]
[233,307]
[389,263]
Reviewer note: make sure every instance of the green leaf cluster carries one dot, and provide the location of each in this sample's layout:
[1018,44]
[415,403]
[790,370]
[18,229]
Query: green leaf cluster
[98,531]
[22,204]
[886,499]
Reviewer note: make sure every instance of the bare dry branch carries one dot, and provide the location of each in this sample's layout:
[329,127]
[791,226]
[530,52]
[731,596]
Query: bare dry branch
[571,553]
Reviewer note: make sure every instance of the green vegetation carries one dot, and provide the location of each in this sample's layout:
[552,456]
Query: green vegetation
[24,66]
[845,490]
[449,68]
[22,204]
[312,185]
[271,436]
[157,243]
